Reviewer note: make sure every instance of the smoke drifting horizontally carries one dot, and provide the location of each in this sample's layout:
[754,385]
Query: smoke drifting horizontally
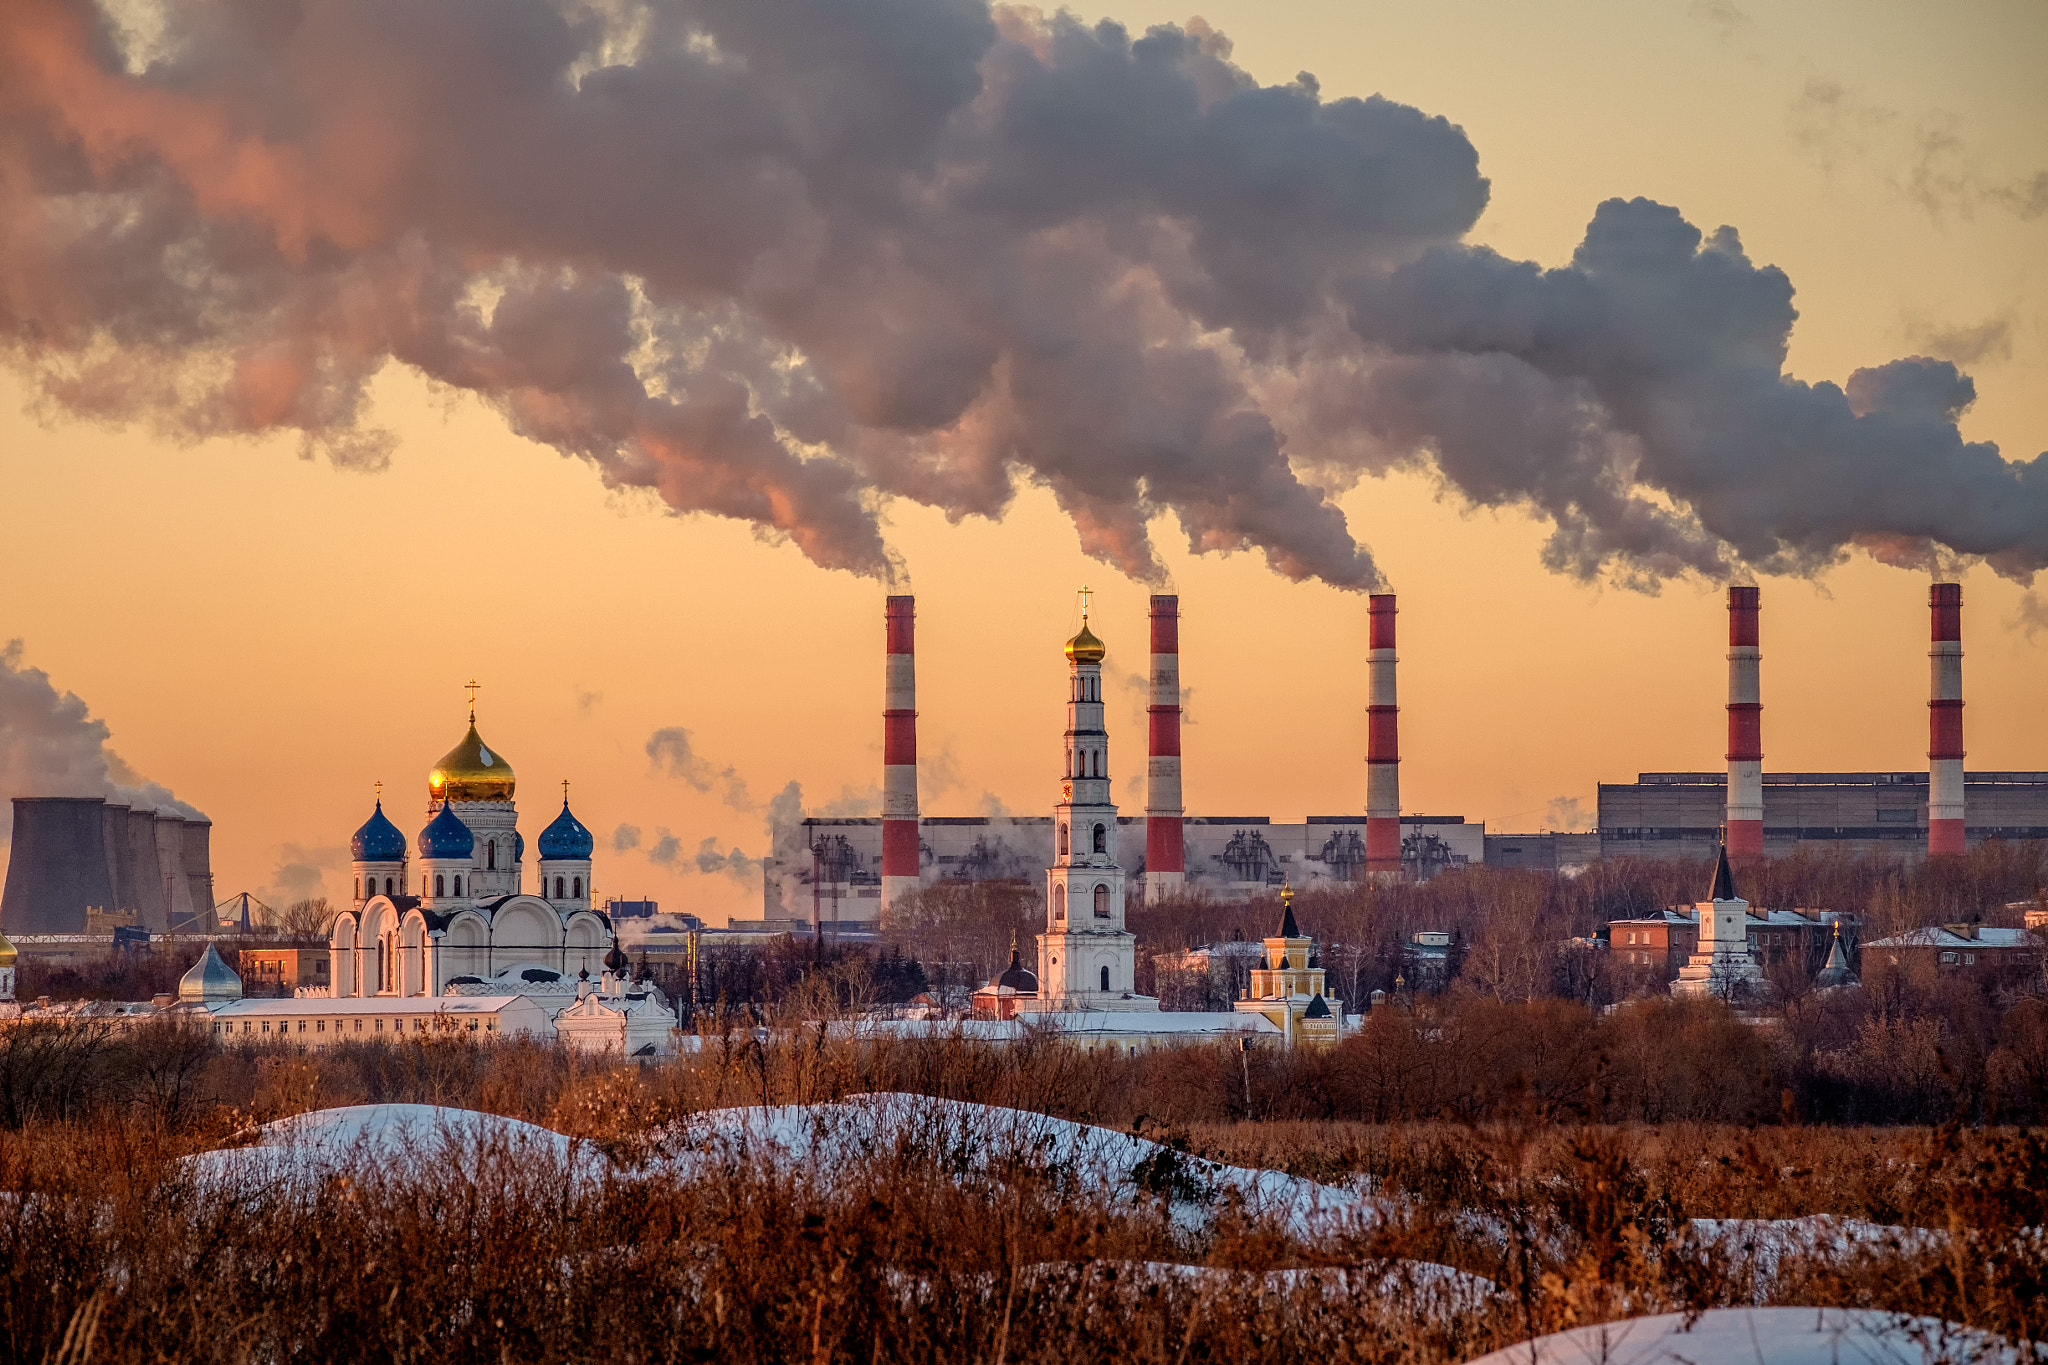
[786,260]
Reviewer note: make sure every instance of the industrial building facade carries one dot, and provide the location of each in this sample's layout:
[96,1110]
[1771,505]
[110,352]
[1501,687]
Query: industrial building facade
[1679,815]
[833,867]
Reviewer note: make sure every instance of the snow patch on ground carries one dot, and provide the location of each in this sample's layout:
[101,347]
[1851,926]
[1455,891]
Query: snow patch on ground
[829,1142]
[363,1138]
[1779,1336]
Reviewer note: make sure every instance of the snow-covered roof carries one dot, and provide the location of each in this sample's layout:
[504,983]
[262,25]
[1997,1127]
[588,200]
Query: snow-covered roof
[312,1007]
[1156,1021]
[1940,936]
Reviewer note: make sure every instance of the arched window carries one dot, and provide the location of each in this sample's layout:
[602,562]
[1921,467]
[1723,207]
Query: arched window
[558,890]
[1059,902]
[387,886]
[1101,902]
[491,856]
[458,884]
[1105,978]
[576,888]
[1101,839]
[359,896]
[438,892]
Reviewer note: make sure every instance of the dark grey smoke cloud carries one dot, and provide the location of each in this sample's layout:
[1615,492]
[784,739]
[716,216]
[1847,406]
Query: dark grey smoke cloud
[787,260]
[50,745]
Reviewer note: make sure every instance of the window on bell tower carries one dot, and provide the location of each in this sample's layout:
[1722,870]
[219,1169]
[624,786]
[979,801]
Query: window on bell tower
[1101,902]
[1101,840]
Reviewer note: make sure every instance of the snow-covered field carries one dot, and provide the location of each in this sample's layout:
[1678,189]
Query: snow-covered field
[1765,1336]
[837,1146]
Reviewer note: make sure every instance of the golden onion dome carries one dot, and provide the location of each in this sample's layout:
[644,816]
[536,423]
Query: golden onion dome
[1085,648]
[471,771]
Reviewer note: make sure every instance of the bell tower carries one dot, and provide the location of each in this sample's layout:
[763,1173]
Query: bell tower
[1086,957]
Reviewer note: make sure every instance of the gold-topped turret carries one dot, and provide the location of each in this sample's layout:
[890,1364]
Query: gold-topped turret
[1085,648]
[471,771]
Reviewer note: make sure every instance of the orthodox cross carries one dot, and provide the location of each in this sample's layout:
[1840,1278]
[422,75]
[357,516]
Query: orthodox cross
[472,686]
[1086,593]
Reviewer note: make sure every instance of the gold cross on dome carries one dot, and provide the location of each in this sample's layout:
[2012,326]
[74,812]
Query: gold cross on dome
[565,791]
[1086,594]
[472,685]
[380,793]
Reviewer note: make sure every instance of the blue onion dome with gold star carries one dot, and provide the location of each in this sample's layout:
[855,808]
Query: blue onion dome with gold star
[471,771]
[378,841]
[566,838]
[446,836]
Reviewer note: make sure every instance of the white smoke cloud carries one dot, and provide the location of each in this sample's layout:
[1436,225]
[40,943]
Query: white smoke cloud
[50,745]
[787,260]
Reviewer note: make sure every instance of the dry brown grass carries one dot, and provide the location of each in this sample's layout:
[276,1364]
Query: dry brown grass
[112,1254]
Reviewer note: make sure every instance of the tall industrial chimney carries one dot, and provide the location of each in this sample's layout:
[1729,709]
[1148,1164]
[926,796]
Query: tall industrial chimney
[1382,745]
[1745,836]
[1945,722]
[899,755]
[1165,856]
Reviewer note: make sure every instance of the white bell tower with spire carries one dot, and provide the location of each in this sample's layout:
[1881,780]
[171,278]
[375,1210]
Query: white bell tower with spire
[1086,957]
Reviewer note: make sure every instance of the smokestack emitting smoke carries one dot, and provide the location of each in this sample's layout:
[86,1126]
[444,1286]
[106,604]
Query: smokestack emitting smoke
[1382,745]
[1945,722]
[787,260]
[1165,855]
[900,860]
[1745,835]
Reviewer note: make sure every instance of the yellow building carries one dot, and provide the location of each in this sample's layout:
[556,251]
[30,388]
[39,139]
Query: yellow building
[1288,986]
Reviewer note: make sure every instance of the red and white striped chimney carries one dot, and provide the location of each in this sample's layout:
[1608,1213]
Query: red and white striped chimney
[1165,855]
[899,755]
[1382,745]
[1745,837]
[1945,722]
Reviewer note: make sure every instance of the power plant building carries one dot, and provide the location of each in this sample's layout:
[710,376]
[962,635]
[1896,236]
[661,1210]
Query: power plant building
[833,867]
[1678,815]
[71,854]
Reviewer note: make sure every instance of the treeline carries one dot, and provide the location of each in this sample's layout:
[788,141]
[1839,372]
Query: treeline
[1948,1056]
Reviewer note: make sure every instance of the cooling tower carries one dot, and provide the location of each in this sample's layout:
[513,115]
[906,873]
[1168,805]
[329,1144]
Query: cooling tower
[198,870]
[120,868]
[57,865]
[145,883]
[170,870]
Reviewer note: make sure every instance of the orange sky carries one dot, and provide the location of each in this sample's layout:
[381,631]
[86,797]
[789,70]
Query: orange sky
[269,636]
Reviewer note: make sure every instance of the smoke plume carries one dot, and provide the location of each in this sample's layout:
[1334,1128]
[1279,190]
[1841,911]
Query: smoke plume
[785,261]
[50,745]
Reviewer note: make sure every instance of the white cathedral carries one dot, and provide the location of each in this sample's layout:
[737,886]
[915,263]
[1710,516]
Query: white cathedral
[463,914]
